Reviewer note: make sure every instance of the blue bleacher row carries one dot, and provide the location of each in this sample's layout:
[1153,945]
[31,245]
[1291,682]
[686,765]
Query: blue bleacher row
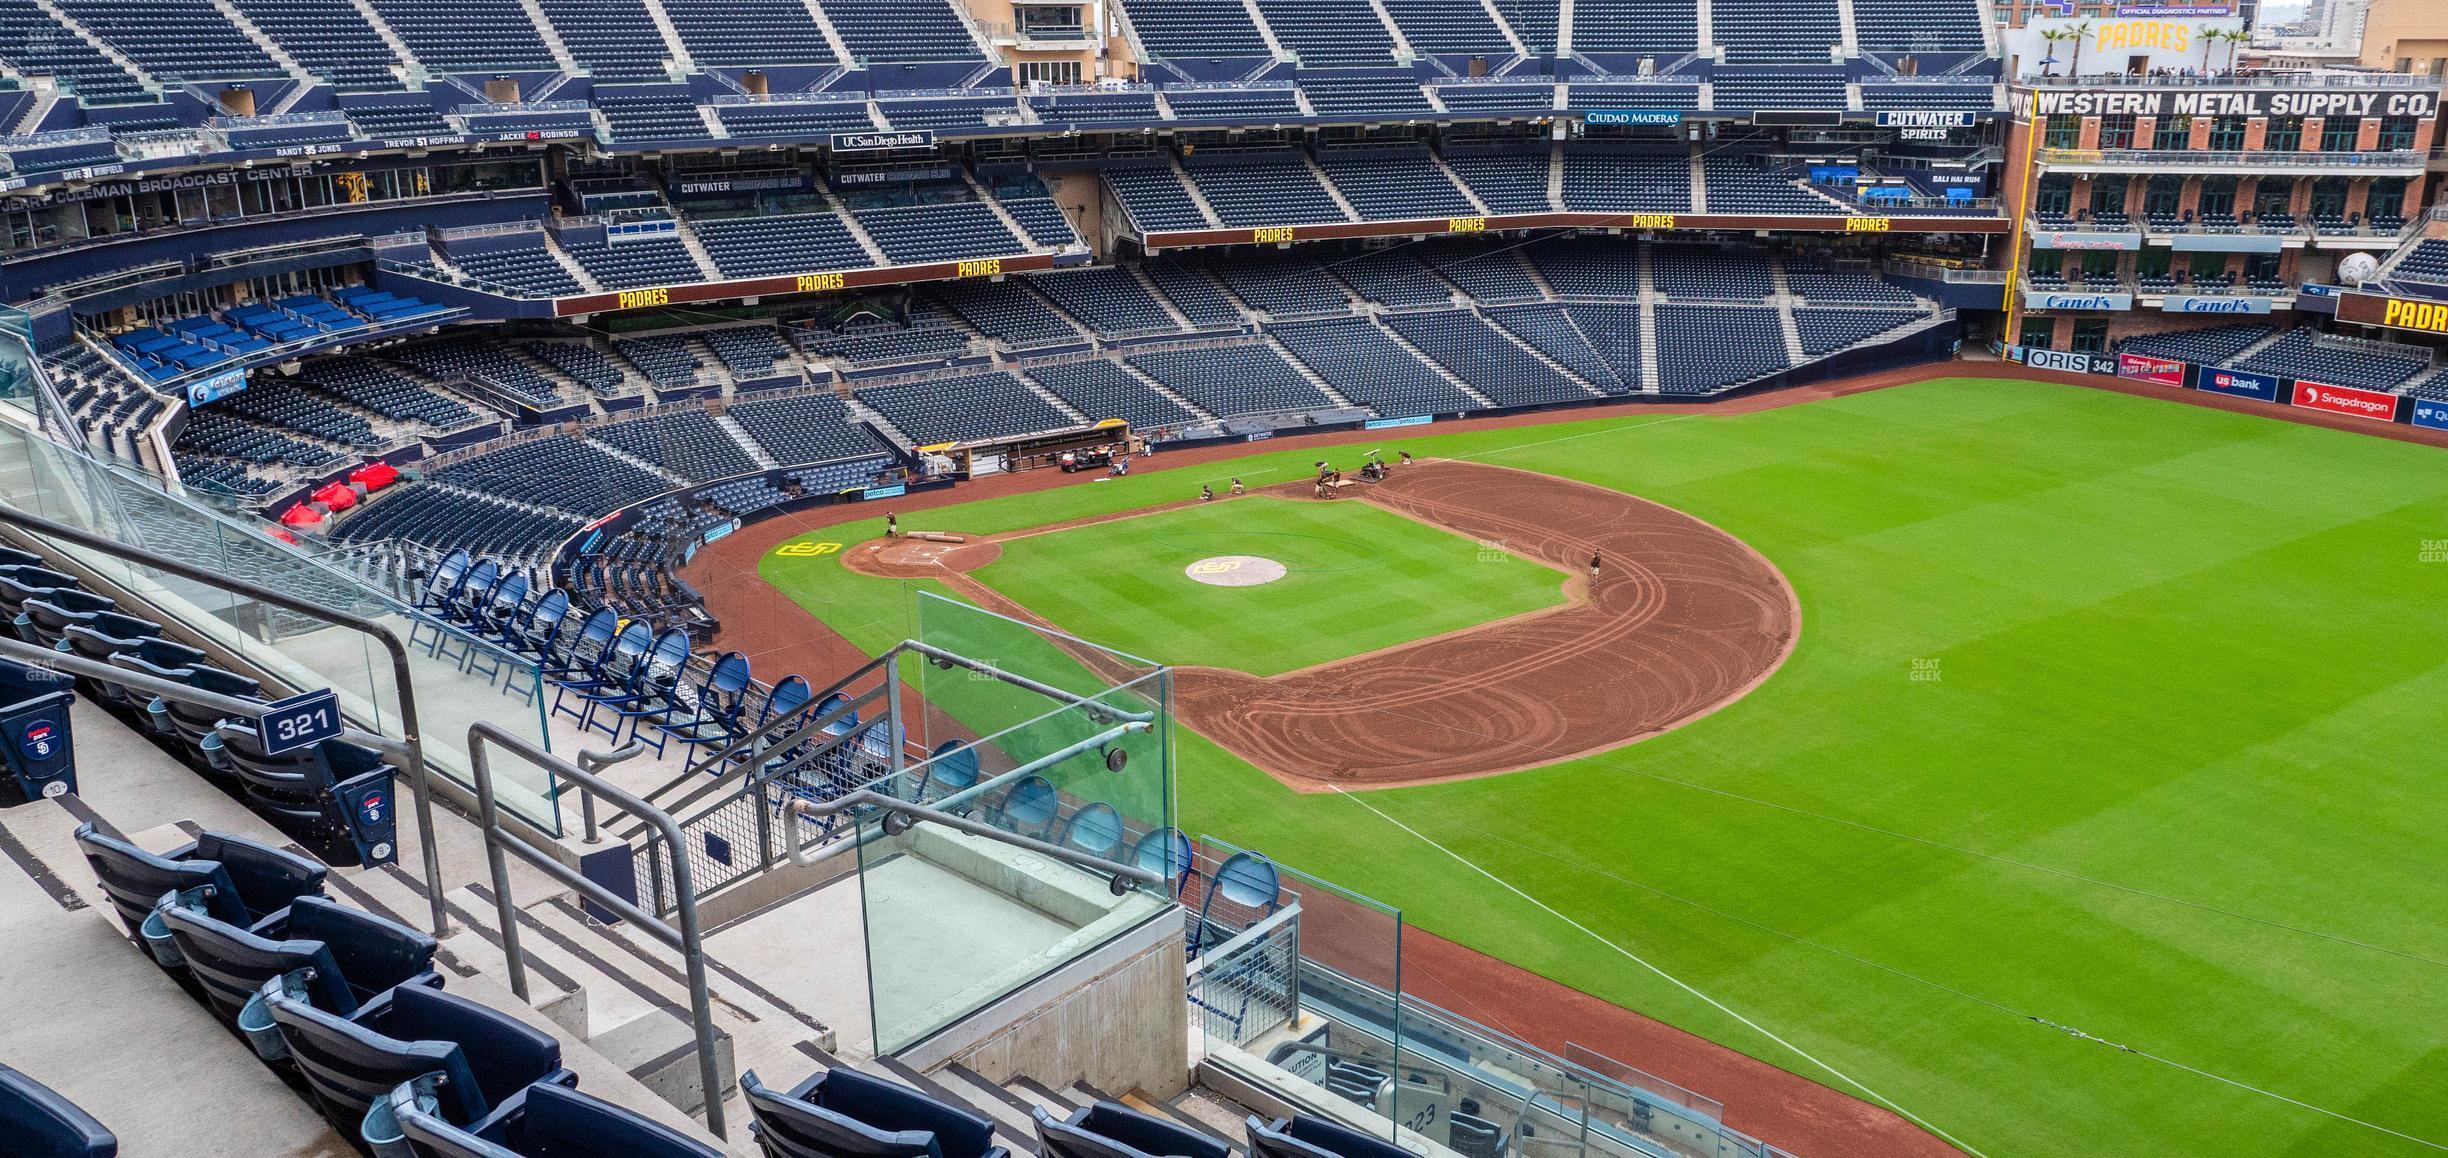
[201,342]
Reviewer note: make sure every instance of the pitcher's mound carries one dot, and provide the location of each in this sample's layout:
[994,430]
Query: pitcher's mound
[1234,571]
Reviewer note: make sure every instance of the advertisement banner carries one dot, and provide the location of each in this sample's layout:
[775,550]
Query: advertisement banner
[2157,371]
[1632,117]
[2431,412]
[216,387]
[2038,300]
[875,142]
[2420,315]
[2213,304]
[2237,383]
[2085,239]
[1924,119]
[2070,362]
[2376,405]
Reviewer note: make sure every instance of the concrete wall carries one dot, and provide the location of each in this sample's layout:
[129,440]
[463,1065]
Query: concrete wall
[1117,1019]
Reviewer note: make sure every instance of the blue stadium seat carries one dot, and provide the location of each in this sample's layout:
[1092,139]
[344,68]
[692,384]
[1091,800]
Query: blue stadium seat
[484,1056]
[1111,1130]
[37,1122]
[242,883]
[543,1121]
[349,955]
[842,1113]
[1303,1136]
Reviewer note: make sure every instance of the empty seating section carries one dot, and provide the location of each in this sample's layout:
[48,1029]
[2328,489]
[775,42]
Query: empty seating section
[1093,106]
[1556,331]
[1008,313]
[736,32]
[1851,286]
[1266,190]
[1735,185]
[35,44]
[1675,94]
[897,31]
[634,262]
[666,359]
[1535,21]
[964,407]
[1825,331]
[1197,29]
[1628,181]
[1110,300]
[1489,273]
[1330,33]
[1392,278]
[1102,389]
[1975,97]
[816,119]
[808,428]
[2215,346]
[559,471]
[1507,182]
[2427,262]
[1774,32]
[1283,288]
[410,115]
[1342,94]
[386,392]
[2307,353]
[1155,198]
[1703,349]
[1449,28]
[614,39]
[467,35]
[650,116]
[1919,25]
[749,351]
[1594,268]
[1778,88]
[779,243]
[454,359]
[1194,293]
[440,516]
[1232,103]
[1365,365]
[947,231]
[528,267]
[1661,28]
[284,404]
[1395,187]
[581,361]
[1233,380]
[1709,273]
[879,344]
[1041,219]
[685,442]
[215,432]
[1478,353]
[1496,97]
[174,39]
[947,114]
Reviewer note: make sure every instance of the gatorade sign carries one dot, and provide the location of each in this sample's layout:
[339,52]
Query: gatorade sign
[2370,404]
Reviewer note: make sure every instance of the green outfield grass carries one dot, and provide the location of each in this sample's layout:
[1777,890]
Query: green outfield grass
[1359,578]
[2170,774]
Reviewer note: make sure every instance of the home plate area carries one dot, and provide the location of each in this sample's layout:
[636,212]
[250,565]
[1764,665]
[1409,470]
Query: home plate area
[1234,570]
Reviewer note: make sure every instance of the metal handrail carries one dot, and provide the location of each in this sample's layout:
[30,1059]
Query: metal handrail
[411,745]
[687,940]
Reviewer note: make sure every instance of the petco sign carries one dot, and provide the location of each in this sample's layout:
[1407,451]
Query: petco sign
[2370,404]
[2196,304]
[2157,371]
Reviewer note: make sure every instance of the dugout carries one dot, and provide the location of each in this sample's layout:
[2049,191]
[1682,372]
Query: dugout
[1035,451]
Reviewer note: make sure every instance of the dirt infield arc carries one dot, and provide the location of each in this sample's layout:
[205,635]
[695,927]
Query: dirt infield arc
[1681,619]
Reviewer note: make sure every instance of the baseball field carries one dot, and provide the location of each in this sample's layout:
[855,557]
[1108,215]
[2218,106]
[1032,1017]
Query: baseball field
[2069,778]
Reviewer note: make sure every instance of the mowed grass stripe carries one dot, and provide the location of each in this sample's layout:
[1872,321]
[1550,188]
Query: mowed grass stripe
[1360,579]
[2187,653]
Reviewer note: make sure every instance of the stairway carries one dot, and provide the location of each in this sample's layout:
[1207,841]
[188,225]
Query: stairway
[1200,199]
[1311,376]
[1451,379]
[748,443]
[270,47]
[1163,391]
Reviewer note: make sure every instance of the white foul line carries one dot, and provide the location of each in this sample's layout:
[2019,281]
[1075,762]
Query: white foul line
[1677,982]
